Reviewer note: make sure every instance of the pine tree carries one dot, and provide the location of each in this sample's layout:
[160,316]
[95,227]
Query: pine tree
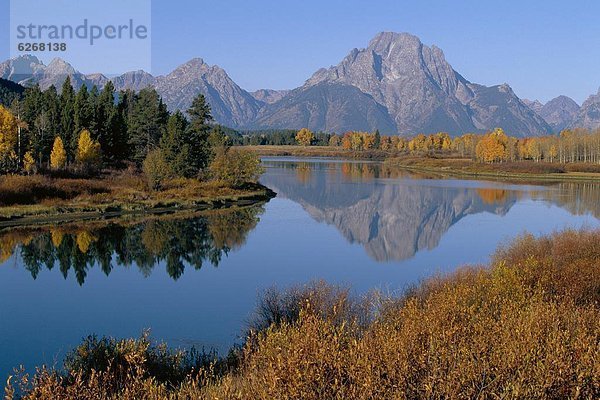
[106,115]
[124,110]
[173,143]
[67,113]
[93,106]
[200,116]
[83,111]
[52,113]
[147,123]
[377,143]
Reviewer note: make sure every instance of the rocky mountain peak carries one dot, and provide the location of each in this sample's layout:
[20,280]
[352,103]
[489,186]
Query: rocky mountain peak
[559,112]
[58,66]
[20,68]
[385,42]
[230,104]
[422,93]
[588,115]
[269,96]
[535,105]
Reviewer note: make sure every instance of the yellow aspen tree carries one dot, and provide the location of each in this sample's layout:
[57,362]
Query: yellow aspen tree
[28,163]
[552,152]
[446,142]
[368,141]
[58,156]
[386,143]
[304,137]
[347,141]
[88,151]
[335,141]
[357,141]
[8,139]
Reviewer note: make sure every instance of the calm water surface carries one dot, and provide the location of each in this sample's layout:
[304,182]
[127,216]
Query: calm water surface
[194,281]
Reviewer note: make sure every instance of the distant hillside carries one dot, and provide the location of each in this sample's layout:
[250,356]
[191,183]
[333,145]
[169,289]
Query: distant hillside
[9,91]
[560,113]
[589,114]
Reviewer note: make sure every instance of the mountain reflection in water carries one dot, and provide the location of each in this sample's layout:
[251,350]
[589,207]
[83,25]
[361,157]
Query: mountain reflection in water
[395,214]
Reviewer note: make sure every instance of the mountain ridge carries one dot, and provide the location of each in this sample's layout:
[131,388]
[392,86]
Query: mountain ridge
[396,84]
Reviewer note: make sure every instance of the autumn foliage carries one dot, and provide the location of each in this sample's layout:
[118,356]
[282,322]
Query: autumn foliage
[305,137]
[88,154]
[493,147]
[58,156]
[8,140]
[570,146]
[526,326]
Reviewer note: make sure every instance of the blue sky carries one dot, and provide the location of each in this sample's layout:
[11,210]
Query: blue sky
[542,49]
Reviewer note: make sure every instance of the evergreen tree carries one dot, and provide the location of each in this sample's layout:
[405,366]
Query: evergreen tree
[377,142]
[107,130]
[124,110]
[175,148]
[39,114]
[33,104]
[52,113]
[147,122]
[119,151]
[83,111]
[67,120]
[199,131]
[93,106]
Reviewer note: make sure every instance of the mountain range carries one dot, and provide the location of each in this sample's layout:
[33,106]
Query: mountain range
[396,84]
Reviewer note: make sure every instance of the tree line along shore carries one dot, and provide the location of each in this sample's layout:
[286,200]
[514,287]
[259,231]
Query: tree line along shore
[102,150]
[573,154]
[96,150]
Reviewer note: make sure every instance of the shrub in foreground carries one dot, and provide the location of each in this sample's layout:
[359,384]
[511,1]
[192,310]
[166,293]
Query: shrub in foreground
[235,167]
[524,327]
[156,168]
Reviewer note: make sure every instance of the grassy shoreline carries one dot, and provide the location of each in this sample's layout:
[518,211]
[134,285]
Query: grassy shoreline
[523,326]
[511,171]
[41,200]
[317,151]
[525,170]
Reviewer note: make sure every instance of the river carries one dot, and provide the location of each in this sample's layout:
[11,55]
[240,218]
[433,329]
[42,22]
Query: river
[193,280]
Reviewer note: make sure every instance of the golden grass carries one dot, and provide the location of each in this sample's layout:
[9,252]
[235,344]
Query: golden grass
[518,169]
[317,151]
[124,190]
[526,326]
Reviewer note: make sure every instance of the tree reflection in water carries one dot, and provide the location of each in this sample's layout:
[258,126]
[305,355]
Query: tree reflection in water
[176,241]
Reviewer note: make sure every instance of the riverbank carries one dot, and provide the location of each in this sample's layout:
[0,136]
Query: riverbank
[317,151]
[525,326]
[29,200]
[452,166]
[524,170]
